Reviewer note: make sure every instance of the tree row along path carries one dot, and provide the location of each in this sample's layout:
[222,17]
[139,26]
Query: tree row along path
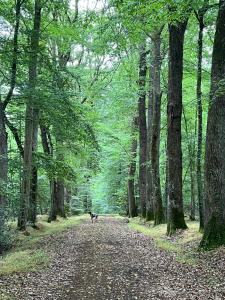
[107,260]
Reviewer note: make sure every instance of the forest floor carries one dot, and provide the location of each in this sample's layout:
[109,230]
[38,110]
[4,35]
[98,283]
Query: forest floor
[111,260]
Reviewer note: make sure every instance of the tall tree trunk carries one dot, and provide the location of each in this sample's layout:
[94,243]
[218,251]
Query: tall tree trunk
[32,214]
[200,16]
[142,129]
[132,169]
[53,208]
[149,192]
[60,187]
[191,156]
[48,150]
[29,118]
[27,166]
[166,189]
[175,218]
[3,175]
[60,197]
[214,200]
[192,176]
[156,123]
[3,160]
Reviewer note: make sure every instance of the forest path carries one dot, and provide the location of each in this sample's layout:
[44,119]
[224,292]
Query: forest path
[107,260]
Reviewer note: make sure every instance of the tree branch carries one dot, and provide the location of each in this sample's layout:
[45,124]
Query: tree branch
[15,55]
[16,135]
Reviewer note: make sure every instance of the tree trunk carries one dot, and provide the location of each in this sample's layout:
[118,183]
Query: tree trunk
[200,16]
[27,166]
[191,156]
[32,214]
[48,150]
[142,129]
[131,189]
[192,175]
[3,160]
[214,200]
[60,187]
[156,123]
[149,192]
[3,176]
[175,219]
[60,196]
[53,208]
[29,126]
[166,190]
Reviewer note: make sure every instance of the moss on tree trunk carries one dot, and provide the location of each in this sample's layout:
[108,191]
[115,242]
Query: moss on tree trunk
[214,200]
[214,234]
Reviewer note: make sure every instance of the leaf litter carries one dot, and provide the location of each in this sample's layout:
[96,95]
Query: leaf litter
[107,260]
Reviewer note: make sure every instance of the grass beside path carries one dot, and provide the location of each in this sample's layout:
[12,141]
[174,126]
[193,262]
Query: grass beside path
[24,256]
[182,244]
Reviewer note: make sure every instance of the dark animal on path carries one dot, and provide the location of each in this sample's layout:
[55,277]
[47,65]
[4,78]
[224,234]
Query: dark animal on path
[93,216]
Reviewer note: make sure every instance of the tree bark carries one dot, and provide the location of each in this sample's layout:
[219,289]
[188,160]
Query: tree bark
[156,123]
[48,150]
[175,218]
[199,149]
[3,160]
[132,169]
[149,192]
[166,189]
[53,209]
[193,202]
[32,214]
[200,17]
[27,162]
[214,200]
[142,129]
[60,187]
[60,196]
[29,118]
[191,156]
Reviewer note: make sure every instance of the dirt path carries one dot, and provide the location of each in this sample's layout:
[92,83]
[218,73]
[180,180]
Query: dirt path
[107,260]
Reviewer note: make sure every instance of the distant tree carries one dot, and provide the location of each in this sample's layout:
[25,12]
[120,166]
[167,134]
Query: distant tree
[132,170]
[142,127]
[149,186]
[156,125]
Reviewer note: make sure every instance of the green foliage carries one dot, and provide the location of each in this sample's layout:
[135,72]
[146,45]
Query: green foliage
[87,92]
